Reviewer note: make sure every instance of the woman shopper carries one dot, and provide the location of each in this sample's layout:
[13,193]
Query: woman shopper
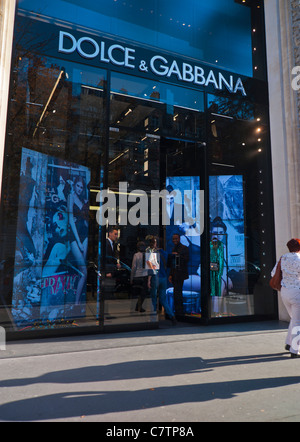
[139,276]
[153,269]
[290,293]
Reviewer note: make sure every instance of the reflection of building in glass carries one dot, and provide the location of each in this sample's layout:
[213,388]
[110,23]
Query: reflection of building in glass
[155,95]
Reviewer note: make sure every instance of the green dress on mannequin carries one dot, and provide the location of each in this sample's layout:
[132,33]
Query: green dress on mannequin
[216,256]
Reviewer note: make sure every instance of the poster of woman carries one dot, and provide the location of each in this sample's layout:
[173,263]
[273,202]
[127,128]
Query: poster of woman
[56,240]
[185,194]
[227,236]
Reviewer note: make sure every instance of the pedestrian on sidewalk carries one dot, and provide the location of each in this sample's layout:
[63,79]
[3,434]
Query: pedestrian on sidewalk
[290,293]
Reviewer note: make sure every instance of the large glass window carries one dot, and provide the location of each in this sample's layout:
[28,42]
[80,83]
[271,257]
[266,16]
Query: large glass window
[239,209]
[133,171]
[54,161]
[185,178]
[149,125]
[216,31]
[79,136]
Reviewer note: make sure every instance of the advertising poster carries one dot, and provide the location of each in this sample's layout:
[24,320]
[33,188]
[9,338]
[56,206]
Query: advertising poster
[52,239]
[227,234]
[185,200]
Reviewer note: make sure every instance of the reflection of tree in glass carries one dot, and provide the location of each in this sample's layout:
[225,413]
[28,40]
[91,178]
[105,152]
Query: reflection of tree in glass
[236,107]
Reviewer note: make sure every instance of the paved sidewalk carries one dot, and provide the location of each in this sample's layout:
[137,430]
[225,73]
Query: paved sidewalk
[187,373]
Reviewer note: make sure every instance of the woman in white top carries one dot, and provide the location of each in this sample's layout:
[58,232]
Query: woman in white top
[153,266]
[139,276]
[290,293]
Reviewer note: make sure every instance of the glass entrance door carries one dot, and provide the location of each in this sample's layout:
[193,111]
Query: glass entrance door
[154,145]
[184,179]
[132,173]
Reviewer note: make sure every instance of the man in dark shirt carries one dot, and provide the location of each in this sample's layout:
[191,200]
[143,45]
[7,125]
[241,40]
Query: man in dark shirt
[111,266]
[178,262]
[112,254]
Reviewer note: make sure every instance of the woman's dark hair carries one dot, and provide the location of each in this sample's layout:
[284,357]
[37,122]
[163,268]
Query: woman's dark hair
[294,245]
[217,222]
[151,240]
[141,246]
[80,179]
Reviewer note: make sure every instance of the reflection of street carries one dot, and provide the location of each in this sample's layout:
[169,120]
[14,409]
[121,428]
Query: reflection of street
[235,305]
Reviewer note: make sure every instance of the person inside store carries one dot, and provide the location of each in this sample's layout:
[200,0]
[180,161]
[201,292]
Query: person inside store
[112,265]
[139,276]
[153,269]
[112,254]
[178,263]
[290,293]
[163,284]
[156,259]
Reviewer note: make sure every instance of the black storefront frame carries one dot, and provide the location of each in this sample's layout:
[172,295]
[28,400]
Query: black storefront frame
[269,208]
[206,319]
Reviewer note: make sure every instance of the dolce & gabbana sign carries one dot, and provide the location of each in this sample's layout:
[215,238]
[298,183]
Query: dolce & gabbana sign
[53,40]
[148,63]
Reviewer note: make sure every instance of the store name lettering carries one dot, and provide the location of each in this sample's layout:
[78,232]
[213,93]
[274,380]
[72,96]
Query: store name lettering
[158,65]
[195,74]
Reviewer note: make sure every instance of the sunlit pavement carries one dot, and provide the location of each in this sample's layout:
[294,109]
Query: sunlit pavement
[186,374]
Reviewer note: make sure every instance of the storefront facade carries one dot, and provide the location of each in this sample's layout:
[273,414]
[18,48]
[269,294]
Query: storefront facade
[138,108]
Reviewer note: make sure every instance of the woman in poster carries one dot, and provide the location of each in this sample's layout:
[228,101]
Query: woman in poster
[25,217]
[216,272]
[219,232]
[216,266]
[78,209]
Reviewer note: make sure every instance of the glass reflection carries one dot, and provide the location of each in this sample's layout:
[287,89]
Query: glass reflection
[239,228]
[58,113]
[217,32]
